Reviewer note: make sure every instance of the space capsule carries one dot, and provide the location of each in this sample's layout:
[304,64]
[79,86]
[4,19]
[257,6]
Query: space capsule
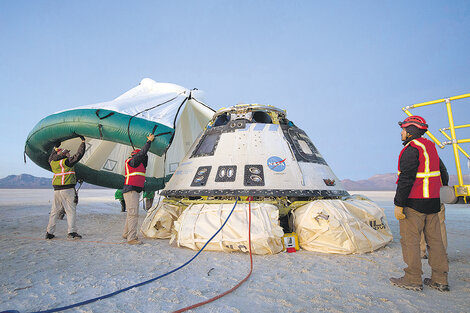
[251,158]
[254,150]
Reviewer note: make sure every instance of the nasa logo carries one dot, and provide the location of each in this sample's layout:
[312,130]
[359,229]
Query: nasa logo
[276,164]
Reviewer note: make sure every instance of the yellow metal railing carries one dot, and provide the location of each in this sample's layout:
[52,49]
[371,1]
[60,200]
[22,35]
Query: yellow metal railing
[461,189]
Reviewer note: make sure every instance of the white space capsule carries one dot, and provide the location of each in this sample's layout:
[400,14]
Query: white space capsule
[254,150]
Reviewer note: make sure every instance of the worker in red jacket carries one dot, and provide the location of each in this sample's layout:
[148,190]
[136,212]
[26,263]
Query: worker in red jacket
[135,168]
[417,203]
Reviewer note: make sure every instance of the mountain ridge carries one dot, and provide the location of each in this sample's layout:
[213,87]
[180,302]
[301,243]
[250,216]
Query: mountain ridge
[26,181]
[387,182]
[378,182]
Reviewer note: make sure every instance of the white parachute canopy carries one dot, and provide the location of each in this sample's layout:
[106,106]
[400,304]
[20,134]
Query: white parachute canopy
[147,95]
[168,104]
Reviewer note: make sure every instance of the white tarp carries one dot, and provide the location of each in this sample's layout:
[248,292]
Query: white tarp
[153,101]
[199,222]
[157,102]
[158,223]
[344,227]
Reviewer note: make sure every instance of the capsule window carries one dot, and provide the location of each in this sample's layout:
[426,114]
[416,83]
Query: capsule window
[304,146]
[262,117]
[206,145]
[304,149]
[221,120]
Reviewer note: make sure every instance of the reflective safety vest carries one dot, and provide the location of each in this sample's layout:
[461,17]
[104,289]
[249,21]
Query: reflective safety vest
[135,176]
[428,178]
[63,174]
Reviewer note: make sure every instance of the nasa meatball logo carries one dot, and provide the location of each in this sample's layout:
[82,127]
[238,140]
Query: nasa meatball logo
[276,164]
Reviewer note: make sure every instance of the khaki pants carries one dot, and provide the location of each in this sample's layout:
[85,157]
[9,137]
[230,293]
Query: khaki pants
[442,219]
[411,229]
[132,207]
[63,198]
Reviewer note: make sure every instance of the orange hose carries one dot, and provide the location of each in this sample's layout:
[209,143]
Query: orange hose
[241,282]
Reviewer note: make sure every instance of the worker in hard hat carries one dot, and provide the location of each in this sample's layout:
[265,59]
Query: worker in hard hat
[135,167]
[65,196]
[417,204]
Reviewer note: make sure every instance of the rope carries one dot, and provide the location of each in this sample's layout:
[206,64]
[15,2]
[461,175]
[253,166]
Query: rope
[200,102]
[174,123]
[97,112]
[142,283]
[148,109]
[237,285]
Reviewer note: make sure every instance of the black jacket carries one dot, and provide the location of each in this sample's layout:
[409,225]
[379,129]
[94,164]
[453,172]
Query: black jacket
[74,159]
[136,160]
[409,164]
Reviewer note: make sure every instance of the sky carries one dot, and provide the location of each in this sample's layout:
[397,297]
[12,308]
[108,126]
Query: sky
[342,69]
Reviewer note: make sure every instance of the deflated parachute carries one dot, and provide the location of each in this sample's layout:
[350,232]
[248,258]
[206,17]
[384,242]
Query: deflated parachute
[112,130]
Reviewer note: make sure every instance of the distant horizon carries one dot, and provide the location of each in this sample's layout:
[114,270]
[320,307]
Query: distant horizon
[52,174]
[378,182]
[45,183]
[452,175]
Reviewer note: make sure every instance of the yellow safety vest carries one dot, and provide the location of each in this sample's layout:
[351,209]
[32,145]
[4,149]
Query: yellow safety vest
[63,174]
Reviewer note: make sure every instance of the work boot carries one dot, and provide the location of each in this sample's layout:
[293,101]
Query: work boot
[135,242]
[49,236]
[434,285]
[74,236]
[402,283]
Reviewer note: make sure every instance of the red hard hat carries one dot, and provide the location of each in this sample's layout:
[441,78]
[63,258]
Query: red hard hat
[62,151]
[135,152]
[415,120]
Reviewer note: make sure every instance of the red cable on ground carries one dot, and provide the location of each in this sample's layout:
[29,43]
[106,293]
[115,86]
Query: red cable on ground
[237,285]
